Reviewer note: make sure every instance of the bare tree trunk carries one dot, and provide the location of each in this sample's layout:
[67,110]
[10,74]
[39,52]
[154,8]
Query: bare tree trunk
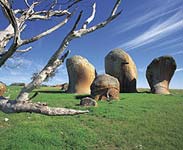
[12,106]
[42,76]
[22,102]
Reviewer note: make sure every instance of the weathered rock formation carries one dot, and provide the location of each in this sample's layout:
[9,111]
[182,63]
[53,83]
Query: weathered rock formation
[159,73]
[105,87]
[120,65]
[64,87]
[88,101]
[81,75]
[2,88]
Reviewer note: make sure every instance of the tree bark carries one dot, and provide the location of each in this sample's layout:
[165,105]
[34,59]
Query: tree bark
[12,106]
[22,102]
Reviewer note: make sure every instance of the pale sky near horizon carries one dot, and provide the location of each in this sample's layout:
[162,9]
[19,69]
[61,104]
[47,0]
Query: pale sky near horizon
[146,29]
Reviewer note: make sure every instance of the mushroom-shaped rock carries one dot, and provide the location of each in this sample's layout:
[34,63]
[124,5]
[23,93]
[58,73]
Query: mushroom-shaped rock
[120,65]
[2,88]
[159,73]
[105,87]
[81,75]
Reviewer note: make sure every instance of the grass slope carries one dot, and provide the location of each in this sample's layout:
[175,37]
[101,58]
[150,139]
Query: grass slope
[137,121]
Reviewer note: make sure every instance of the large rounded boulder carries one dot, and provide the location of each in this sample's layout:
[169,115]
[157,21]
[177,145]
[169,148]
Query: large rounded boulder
[159,73]
[2,88]
[105,87]
[120,65]
[81,75]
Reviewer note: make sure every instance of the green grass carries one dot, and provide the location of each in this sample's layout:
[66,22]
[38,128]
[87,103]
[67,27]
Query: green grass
[137,121]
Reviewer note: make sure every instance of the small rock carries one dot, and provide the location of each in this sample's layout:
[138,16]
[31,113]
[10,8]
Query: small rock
[6,119]
[64,87]
[87,101]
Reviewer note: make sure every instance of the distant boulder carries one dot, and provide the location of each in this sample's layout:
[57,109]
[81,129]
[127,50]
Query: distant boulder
[44,85]
[159,73]
[120,65]
[64,87]
[81,75]
[2,89]
[105,87]
[17,84]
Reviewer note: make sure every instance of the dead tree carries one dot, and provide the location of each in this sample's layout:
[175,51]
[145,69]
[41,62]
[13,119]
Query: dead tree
[23,102]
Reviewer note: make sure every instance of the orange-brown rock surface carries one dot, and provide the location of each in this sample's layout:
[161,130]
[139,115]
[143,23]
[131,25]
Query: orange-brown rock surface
[81,75]
[2,88]
[120,65]
[159,73]
[105,87]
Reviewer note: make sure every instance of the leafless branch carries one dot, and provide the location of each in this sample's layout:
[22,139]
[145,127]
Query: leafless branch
[22,103]
[35,38]
[27,3]
[74,3]
[84,31]
[90,19]
[13,106]
[44,15]
[13,20]
[116,6]
[24,50]
[54,61]
[17,25]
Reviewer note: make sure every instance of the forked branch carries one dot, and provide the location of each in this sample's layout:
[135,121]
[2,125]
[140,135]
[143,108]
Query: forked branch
[54,61]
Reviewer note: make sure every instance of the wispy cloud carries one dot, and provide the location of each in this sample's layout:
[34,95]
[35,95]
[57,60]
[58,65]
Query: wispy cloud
[179,70]
[170,43]
[177,53]
[156,32]
[152,12]
[21,69]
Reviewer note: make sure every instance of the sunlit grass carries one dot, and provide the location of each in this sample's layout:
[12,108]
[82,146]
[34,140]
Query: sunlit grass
[137,121]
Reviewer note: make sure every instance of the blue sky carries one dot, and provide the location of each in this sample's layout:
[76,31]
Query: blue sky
[146,29]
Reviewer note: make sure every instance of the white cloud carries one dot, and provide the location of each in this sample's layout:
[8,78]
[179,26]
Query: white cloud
[154,11]
[21,69]
[15,78]
[179,70]
[170,43]
[156,32]
[177,53]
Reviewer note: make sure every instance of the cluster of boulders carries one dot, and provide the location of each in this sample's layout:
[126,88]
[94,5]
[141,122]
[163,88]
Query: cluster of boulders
[121,76]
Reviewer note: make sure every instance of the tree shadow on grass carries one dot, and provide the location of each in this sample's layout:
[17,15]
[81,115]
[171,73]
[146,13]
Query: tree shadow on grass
[148,92]
[82,96]
[51,92]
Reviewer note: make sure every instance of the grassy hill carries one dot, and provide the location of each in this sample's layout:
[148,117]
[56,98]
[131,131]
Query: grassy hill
[138,121]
